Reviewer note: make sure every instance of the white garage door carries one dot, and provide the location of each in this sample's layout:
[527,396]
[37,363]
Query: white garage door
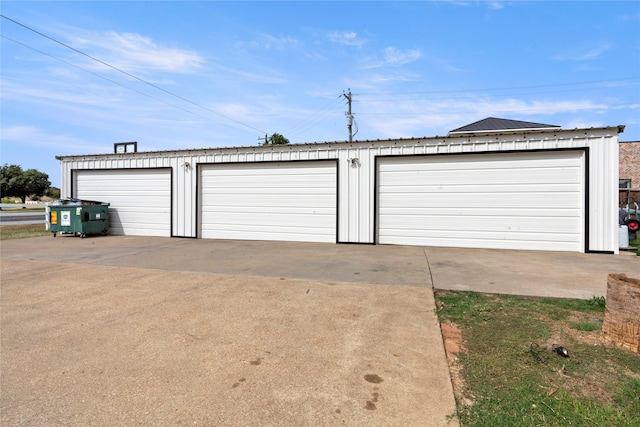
[289,201]
[140,198]
[528,200]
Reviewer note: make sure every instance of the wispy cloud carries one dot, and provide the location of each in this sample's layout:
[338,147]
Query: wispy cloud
[585,55]
[413,118]
[132,51]
[347,38]
[268,41]
[392,56]
[494,4]
[31,136]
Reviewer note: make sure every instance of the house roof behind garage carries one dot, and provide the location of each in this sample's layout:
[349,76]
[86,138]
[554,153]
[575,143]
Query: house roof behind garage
[492,124]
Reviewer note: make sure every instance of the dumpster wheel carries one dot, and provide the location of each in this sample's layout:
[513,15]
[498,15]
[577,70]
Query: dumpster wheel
[83,235]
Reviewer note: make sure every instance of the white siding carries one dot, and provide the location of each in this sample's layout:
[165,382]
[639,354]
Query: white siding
[356,190]
[508,201]
[140,199]
[291,201]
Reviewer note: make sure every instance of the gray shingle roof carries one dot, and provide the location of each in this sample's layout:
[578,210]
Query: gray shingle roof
[494,124]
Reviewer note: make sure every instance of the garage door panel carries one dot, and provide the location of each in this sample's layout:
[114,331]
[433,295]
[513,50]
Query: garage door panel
[489,224]
[275,235]
[477,178]
[294,201]
[445,235]
[553,243]
[140,199]
[501,200]
[480,212]
[277,220]
[474,188]
[267,202]
[483,200]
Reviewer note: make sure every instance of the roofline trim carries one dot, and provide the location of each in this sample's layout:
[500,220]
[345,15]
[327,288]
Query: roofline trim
[620,129]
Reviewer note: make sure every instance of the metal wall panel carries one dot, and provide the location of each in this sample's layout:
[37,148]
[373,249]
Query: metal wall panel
[140,198]
[290,201]
[356,193]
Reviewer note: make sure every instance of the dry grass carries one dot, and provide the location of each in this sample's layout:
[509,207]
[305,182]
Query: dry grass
[22,231]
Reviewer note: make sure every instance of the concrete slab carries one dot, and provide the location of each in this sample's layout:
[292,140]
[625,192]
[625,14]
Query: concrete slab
[404,265]
[87,343]
[530,273]
[123,330]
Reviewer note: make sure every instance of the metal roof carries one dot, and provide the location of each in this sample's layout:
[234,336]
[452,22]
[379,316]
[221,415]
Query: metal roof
[492,124]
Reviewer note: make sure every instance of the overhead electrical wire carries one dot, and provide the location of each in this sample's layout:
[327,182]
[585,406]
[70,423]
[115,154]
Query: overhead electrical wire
[313,119]
[634,81]
[103,77]
[131,75]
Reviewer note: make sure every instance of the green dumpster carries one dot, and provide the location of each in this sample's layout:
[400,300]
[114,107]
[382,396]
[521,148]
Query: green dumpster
[78,217]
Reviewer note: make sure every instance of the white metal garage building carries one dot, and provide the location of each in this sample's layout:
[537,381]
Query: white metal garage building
[534,188]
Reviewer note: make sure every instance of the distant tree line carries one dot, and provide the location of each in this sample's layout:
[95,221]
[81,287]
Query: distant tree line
[30,183]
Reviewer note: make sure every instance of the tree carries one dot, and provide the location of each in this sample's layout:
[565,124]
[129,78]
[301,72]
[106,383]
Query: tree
[8,174]
[53,192]
[276,139]
[14,182]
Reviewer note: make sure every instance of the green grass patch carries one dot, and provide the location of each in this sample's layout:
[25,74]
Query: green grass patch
[511,377]
[22,231]
[586,326]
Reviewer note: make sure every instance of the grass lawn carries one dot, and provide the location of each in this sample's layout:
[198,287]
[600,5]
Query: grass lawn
[22,231]
[508,375]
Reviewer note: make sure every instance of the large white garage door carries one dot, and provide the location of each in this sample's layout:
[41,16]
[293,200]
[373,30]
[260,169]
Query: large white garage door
[289,201]
[140,198]
[530,200]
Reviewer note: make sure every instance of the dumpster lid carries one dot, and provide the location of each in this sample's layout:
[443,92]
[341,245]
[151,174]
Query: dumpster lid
[77,202]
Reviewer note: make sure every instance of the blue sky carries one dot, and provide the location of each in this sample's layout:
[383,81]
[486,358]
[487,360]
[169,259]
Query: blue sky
[180,75]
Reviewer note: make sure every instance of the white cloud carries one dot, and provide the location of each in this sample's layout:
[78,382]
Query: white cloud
[31,136]
[420,118]
[347,38]
[394,56]
[585,55]
[267,41]
[130,51]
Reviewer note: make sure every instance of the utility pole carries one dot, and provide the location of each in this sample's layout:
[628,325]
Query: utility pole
[349,115]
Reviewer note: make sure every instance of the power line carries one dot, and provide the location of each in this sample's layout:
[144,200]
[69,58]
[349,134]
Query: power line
[633,82]
[549,110]
[313,119]
[129,74]
[102,77]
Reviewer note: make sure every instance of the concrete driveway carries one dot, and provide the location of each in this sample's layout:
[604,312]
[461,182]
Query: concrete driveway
[154,331]
[151,331]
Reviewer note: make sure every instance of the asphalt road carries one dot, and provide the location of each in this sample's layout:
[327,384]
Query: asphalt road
[13,217]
